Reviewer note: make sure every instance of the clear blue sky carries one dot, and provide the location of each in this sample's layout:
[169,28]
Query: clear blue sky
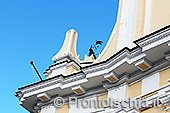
[35,30]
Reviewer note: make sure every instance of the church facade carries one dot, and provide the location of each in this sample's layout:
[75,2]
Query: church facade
[135,63]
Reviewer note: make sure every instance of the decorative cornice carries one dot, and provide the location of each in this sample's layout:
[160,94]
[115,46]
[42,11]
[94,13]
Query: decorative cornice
[126,55]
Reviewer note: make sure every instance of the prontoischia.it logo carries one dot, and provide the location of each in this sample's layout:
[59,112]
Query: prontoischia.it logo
[99,103]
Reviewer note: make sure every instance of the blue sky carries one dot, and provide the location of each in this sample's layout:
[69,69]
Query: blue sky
[35,30]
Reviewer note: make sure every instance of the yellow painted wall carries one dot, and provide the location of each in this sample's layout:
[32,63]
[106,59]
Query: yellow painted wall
[155,110]
[160,15]
[102,97]
[64,109]
[164,76]
[135,89]
[140,19]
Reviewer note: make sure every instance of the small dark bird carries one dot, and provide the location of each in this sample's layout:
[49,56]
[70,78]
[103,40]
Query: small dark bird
[99,42]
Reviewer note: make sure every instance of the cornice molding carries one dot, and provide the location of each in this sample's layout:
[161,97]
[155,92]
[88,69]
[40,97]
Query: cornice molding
[126,55]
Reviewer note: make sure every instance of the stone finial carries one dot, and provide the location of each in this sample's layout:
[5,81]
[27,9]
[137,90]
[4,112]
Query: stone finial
[68,50]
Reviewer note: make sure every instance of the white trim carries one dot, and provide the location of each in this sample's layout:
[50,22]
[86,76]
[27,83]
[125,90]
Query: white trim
[127,24]
[121,92]
[147,86]
[49,109]
[157,43]
[73,83]
[147,24]
[134,25]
